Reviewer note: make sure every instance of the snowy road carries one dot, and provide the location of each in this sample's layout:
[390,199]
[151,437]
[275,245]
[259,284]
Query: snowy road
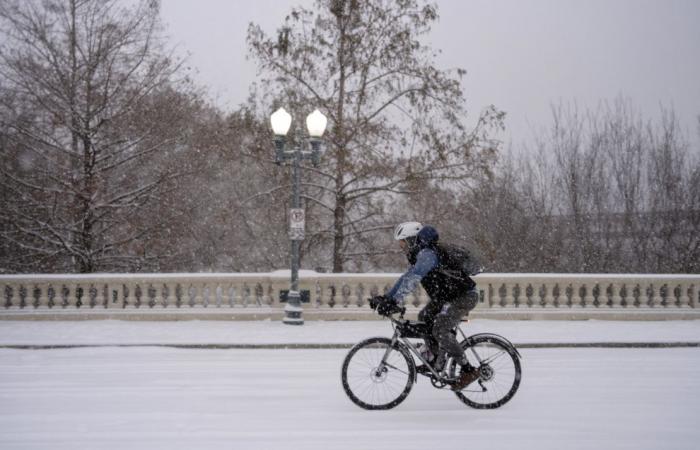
[164,398]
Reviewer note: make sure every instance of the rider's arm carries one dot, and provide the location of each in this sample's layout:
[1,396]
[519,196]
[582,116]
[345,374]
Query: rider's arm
[425,262]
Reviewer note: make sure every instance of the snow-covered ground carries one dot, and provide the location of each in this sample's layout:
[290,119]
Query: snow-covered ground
[98,332]
[167,398]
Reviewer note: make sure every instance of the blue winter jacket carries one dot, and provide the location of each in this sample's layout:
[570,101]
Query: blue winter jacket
[426,260]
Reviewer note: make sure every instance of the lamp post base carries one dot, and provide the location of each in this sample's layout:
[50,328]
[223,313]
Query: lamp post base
[293,320]
[293,310]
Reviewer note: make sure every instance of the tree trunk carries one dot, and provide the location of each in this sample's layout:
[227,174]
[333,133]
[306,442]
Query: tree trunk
[339,211]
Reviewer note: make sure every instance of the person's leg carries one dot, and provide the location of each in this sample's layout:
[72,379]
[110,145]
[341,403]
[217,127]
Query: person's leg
[427,315]
[447,319]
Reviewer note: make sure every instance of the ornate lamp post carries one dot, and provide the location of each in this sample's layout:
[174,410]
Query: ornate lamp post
[316,125]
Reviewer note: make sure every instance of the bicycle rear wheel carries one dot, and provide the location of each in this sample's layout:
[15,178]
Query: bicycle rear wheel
[499,372]
[373,381]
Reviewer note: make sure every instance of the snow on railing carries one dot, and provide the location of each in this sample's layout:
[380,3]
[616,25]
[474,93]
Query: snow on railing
[574,294]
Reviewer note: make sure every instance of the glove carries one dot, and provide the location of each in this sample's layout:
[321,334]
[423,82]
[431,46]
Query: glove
[388,307]
[376,301]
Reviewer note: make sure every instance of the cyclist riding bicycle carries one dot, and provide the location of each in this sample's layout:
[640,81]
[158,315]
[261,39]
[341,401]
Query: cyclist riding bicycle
[444,272]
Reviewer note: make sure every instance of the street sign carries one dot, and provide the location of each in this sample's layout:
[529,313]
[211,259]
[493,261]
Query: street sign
[296,224]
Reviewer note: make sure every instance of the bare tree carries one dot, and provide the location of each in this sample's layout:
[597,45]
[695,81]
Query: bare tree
[78,78]
[395,119]
[673,202]
[604,191]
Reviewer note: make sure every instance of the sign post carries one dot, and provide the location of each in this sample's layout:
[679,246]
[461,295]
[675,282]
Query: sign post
[297,221]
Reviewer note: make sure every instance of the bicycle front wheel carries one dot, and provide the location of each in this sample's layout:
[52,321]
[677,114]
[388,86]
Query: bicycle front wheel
[499,372]
[376,375]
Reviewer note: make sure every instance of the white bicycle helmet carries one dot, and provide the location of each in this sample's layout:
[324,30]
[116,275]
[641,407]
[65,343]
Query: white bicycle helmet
[406,230]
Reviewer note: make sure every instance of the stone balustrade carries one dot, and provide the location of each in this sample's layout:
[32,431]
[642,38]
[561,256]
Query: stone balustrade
[338,296]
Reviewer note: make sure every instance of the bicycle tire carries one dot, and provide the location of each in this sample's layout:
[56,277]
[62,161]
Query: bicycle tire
[499,382]
[368,388]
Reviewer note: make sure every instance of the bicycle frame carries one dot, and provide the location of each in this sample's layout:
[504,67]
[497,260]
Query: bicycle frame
[405,340]
[397,323]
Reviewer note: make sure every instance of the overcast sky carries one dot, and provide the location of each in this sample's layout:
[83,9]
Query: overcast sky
[519,55]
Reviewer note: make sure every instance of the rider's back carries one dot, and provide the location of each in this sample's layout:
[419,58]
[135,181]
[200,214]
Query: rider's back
[452,276]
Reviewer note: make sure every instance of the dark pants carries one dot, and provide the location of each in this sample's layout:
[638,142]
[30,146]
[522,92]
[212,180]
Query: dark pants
[442,316]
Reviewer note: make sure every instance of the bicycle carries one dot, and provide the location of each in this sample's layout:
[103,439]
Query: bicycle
[379,372]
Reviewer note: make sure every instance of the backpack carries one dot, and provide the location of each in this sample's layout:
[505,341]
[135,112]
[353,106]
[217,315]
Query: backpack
[458,262]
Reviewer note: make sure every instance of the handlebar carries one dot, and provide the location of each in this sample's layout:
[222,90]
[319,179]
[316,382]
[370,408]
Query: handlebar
[401,313]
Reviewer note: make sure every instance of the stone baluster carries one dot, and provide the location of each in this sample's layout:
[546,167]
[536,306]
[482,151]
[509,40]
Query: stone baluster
[171,300]
[25,294]
[158,294]
[345,294]
[258,294]
[226,300]
[33,297]
[214,295]
[374,289]
[589,299]
[248,295]
[12,296]
[683,298]
[198,295]
[494,296]
[208,295]
[187,299]
[693,295]
[33,293]
[360,295]
[629,295]
[336,294]
[159,301]
[6,291]
[333,295]
[237,294]
[147,295]
[548,295]
[186,294]
[114,299]
[534,296]
[141,295]
[130,296]
[330,294]
[20,296]
[528,296]
[268,294]
[43,295]
[644,299]
[71,295]
[226,294]
[205,295]
[616,298]
[110,287]
[351,295]
[656,299]
[99,294]
[556,298]
[509,301]
[318,294]
[575,295]
[19,291]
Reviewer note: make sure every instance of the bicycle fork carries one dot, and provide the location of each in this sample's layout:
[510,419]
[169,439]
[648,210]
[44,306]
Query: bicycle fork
[383,364]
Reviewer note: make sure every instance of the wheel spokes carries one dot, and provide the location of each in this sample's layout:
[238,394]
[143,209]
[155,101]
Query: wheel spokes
[374,382]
